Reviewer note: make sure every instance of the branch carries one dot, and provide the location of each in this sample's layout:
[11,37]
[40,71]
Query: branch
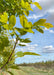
[10,55]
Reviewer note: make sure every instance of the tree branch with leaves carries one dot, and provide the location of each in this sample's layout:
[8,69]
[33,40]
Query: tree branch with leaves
[9,11]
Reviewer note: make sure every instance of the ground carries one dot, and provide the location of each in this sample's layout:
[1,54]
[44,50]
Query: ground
[31,70]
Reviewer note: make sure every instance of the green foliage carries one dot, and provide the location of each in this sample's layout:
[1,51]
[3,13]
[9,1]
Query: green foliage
[21,45]
[24,22]
[26,5]
[41,22]
[31,53]
[37,4]
[40,29]
[26,12]
[4,42]
[21,31]
[9,11]
[25,40]
[4,17]
[12,21]
[21,54]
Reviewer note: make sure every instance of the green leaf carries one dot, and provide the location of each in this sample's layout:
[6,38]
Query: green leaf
[6,26]
[21,45]
[12,21]
[24,22]
[29,30]
[48,25]
[25,40]
[26,5]
[16,34]
[10,73]
[40,22]
[20,54]
[4,42]
[37,4]
[4,18]
[21,31]
[40,29]
[5,53]
[26,12]
[31,53]
[22,3]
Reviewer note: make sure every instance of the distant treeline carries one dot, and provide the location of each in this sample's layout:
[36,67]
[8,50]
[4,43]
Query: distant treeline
[47,64]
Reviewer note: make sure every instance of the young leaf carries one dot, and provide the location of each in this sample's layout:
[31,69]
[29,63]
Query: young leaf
[29,30]
[20,54]
[31,53]
[26,12]
[21,45]
[25,40]
[6,26]
[22,20]
[4,18]
[21,31]
[39,22]
[48,25]
[22,3]
[26,5]
[38,28]
[37,4]
[12,21]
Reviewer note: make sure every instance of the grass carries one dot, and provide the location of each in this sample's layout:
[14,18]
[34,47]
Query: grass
[29,69]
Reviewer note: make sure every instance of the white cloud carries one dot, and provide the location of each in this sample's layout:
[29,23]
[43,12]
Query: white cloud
[51,31]
[51,10]
[24,44]
[32,47]
[36,45]
[48,49]
[34,16]
[28,47]
[48,7]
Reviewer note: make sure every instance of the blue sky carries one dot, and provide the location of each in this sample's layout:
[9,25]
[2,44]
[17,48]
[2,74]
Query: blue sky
[41,43]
